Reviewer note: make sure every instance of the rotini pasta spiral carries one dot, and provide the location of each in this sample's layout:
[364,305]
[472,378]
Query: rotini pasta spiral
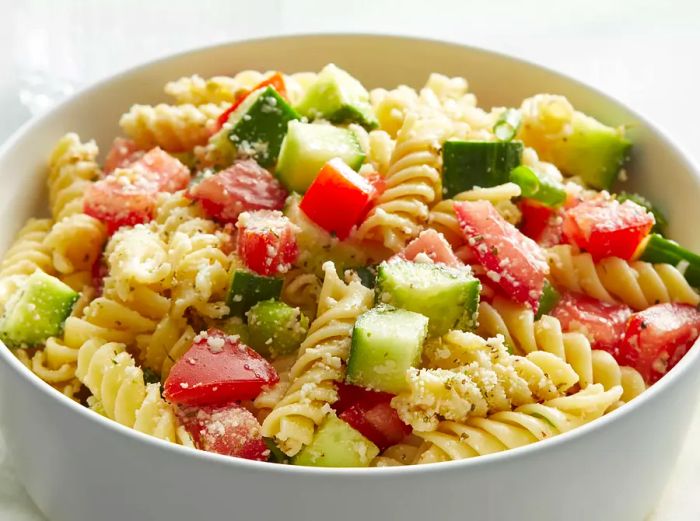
[27,254]
[517,324]
[113,378]
[72,168]
[469,376]
[174,128]
[320,364]
[510,429]
[195,90]
[638,284]
[301,289]
[412,183]
[76,242]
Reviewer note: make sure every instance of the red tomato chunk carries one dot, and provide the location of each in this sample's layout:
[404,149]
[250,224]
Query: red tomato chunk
[542,224]
[513,261]
[602,323]
[230,430]
[242,187]
[166,171]
[218,369]
[266,242]
[658,337]
[371,414]
[432,244]
[606,228]
[338,198]
[123,153]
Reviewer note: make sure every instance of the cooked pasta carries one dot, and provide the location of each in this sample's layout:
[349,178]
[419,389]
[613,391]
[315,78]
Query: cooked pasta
[638,284]
[527,335]
[175,128]
[413,183]
[302,290]
[511,429]
[320,364]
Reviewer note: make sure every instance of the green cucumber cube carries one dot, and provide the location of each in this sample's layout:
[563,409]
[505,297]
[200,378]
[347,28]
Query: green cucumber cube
[336,444]
[448,296]
[386,342]
[247,289]
[307,147]
[37,311]
[234,326]
[276,328]
[256,128]
[466,164]
[339,98]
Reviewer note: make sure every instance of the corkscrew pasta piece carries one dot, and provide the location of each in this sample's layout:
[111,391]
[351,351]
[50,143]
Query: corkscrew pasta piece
[195,90]
[301,289]
[76,242]
[527,335]
[470,376]
[320,364]
[412,183]
[27,254]
[72,168]
[270,396]
[168,342]
[510,429]
[404,453]
[442,216]
[174,128]
[638,284]
[114,379]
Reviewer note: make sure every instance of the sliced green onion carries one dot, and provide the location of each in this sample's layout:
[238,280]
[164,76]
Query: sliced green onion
[661,222]
[665,251]
[549,299]
[534,186]
[507,125]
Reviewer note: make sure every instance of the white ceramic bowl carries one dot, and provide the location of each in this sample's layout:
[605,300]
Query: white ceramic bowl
[79,466]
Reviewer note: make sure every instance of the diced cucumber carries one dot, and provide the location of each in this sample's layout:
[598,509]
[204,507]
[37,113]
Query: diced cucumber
[234,326]
[256,128]
[660,223]
[339,98]
[386,342]
[466,164]
[276,328]
[549,192]
[247,289]
[307,147]
[336,444]
[448,296]
[549,299]
[37,311]
[665,251]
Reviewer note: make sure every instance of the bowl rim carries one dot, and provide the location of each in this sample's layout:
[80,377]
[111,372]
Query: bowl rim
[469,464]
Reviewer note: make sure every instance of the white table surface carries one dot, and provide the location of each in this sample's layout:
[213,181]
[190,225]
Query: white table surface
[644,52]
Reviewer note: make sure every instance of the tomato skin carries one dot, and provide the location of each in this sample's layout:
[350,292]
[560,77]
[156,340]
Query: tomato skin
[266,241]
[371,414]
[606,228]
[338,198]
[512,260]
[434,245]
[658,337]
[602,323]
[123,152]
[230,430]
[276,81]
[244,186]
[216,370]
[541,223]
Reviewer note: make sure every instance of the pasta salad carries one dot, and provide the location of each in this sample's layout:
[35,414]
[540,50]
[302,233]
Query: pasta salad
[291,268]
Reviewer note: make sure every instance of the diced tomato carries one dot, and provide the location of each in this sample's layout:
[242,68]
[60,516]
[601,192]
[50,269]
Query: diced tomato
[541,223]
[602,323]
[378,182]
[121,199]
[658,337]
[218,369]
[244,186]
[98,273]
[606,228]
[434,245]
[123,152]
[276,81]
[230,430]
[338,198]
[512,260]
[166,171]
[266,241]
[371,413]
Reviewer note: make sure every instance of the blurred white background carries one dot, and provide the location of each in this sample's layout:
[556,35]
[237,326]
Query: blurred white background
[644,52]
